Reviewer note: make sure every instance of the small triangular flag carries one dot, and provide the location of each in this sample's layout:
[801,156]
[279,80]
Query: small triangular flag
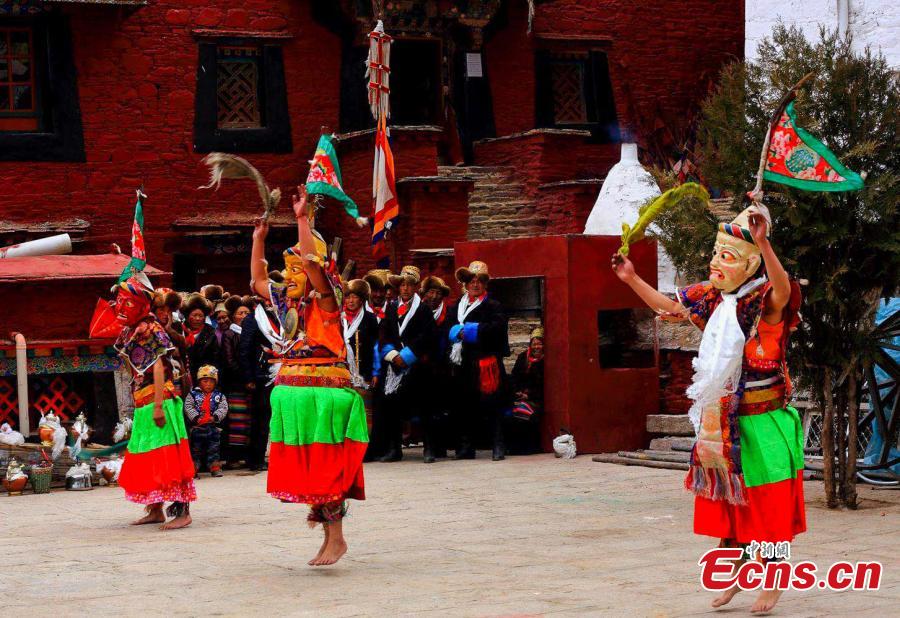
[325,176]
[797,159]
[138,252]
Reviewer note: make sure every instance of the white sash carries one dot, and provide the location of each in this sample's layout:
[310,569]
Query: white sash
[415,302]
[462,312]
[393,378]
[717,368]
[437,312]
[265,327]
[350,330]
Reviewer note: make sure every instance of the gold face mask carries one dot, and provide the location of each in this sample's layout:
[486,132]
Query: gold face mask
[733,262]
[295,277]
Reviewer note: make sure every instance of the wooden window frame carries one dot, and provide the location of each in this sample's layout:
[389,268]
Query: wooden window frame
[58,135]
[602,120]
[275,135]
[12,119]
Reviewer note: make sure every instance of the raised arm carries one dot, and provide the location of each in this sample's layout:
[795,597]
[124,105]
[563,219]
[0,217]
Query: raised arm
[259,267]
[655,299]
[311,263]
[778,298]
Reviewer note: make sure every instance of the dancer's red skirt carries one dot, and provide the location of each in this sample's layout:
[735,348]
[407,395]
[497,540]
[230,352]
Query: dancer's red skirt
[774,512]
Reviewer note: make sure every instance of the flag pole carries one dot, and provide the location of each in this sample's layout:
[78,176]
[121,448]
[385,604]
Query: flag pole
[757,194]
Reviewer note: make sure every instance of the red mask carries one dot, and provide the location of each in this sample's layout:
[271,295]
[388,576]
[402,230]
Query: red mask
[130,308]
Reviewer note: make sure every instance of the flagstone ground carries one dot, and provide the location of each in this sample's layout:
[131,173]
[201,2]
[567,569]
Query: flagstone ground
[528,536]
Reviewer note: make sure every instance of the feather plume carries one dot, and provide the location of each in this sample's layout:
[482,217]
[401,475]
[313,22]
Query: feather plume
[666,201]
[222,166]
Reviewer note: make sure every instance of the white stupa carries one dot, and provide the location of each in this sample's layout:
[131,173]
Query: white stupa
[626,188]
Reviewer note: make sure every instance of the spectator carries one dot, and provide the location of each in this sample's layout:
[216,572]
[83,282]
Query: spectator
[479,341]
[528,387]
[200,337]
[434,294]
[253,357]
[205,408]
[237,427]
[360,329]
[164,306]
[408,341]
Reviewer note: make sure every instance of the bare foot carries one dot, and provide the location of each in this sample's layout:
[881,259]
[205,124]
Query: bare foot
[154,516]
[725,597]
[333,551]
[182,521]
[321,549]
[766,601]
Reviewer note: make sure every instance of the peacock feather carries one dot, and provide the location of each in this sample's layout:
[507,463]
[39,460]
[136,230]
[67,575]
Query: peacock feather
[666,201]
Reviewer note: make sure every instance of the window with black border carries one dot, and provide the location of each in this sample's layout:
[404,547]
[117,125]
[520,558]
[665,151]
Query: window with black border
[40,115]
[241,98]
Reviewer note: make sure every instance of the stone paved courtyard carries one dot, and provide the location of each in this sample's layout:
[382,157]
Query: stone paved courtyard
[528,536]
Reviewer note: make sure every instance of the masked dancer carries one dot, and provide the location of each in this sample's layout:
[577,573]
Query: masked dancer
[318,429]
[747,464]
[157,467]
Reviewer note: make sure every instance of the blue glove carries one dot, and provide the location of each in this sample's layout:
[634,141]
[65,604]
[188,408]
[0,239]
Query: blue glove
[454,333]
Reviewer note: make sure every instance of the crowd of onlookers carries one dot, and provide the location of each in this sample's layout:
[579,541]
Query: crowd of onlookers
[430,371]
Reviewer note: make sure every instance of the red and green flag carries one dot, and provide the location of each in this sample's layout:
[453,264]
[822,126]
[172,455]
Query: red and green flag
[138,253]
[325,176]
[797,159]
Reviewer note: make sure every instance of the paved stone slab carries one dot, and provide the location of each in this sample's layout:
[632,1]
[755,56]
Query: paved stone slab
[525,537]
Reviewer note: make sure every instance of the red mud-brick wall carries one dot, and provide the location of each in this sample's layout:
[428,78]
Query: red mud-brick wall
[676,374]
[136,81]
[541,157]
[566,207]
[662,55]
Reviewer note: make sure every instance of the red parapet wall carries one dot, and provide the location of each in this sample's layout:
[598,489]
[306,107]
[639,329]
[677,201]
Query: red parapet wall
[605,408]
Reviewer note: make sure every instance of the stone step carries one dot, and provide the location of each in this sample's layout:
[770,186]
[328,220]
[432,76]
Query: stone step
[672,443]
[670,424]
[628,461]
[652,455]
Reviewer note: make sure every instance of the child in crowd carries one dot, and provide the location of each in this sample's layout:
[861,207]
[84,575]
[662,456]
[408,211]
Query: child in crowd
[205,408]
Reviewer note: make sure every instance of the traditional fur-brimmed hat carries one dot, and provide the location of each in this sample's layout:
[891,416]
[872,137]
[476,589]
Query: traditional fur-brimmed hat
[359,287]
[475,269]
[233,303]
[377,279]
[221,307]
[165,297]
[432,282]
[196,301]
[276,275]
[213,292]
[407,273]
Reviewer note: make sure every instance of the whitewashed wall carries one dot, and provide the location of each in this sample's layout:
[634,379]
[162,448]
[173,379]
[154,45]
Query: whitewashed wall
[875,23]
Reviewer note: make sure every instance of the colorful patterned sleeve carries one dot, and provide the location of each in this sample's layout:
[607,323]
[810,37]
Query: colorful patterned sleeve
[280,301]
[699,299]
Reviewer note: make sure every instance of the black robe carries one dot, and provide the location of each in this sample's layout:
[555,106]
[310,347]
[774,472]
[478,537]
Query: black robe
[204,351]
[365,340]
[491,339]
[417,345]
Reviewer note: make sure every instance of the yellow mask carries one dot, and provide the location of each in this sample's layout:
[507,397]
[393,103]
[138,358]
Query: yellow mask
[294,274]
